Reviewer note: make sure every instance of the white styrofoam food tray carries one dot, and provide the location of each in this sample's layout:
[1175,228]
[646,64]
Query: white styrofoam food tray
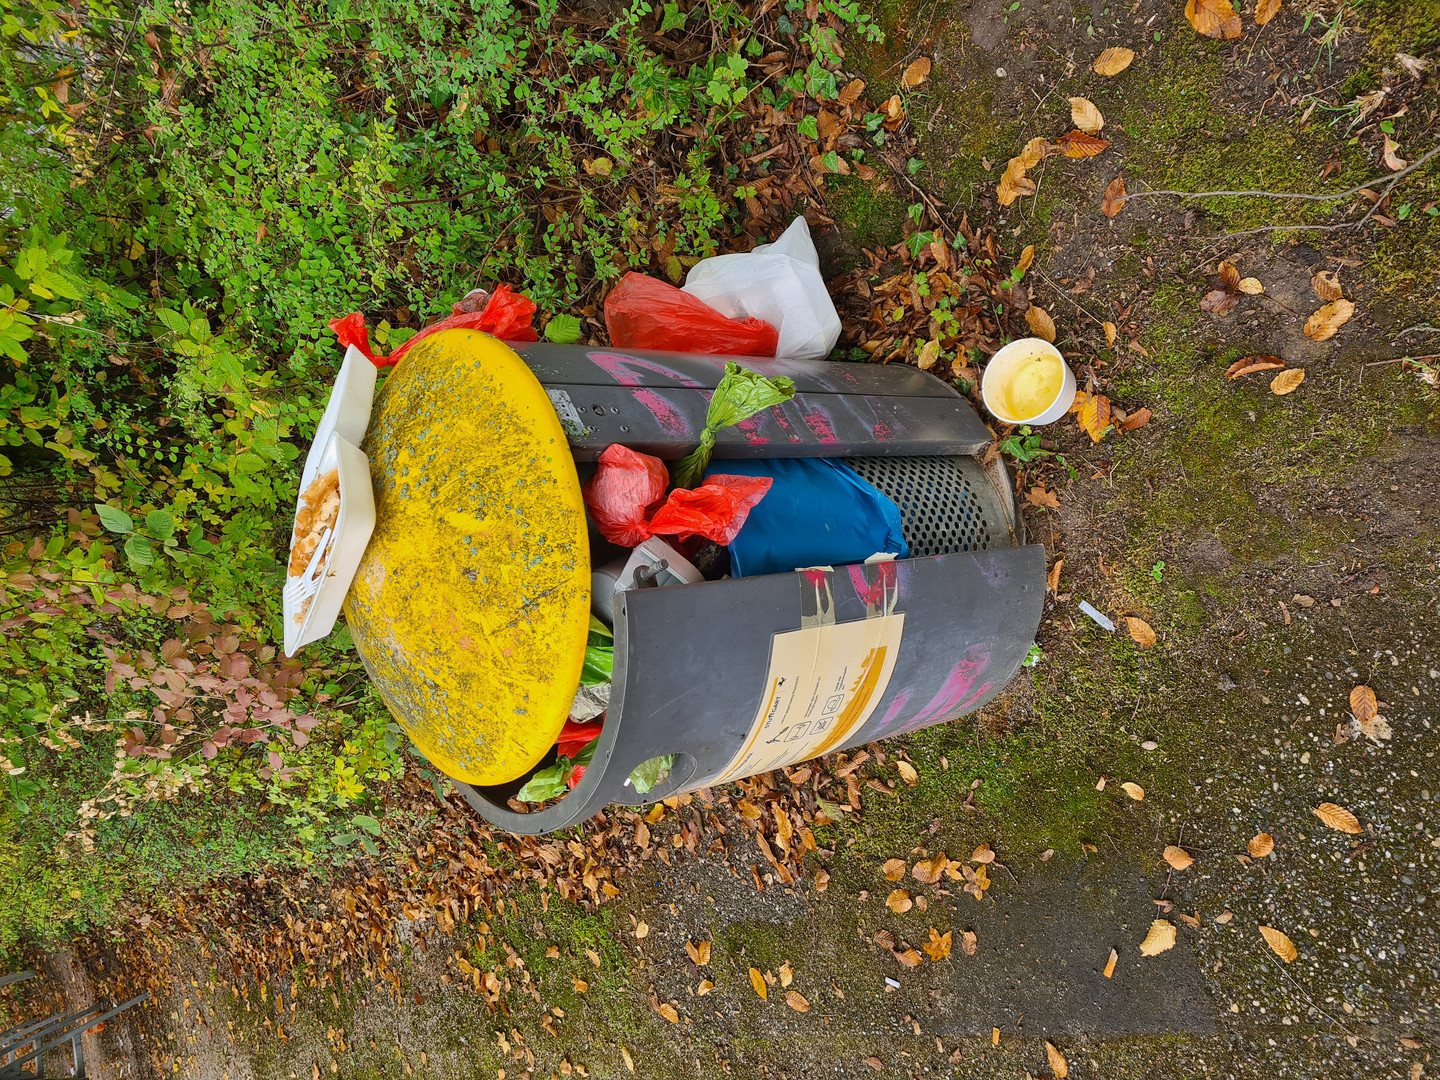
[327,579]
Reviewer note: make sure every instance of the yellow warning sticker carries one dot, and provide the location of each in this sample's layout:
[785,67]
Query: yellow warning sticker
[822,685]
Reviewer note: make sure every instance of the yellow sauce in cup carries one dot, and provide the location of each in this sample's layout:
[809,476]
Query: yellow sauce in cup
[1031,386]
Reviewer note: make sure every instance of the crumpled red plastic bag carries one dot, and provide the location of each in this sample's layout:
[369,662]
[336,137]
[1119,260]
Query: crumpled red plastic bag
[620,495]
[507,315]
[716,510]
[575,737]
[646,313]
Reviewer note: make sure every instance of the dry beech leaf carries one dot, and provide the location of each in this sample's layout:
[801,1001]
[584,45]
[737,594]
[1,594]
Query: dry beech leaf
[1109,334]
[1078,144]
[1326,284]
[1036,151]
[1026,258]
[699,954]
[929,353]
[1229,276]
[1161,938]
[1109,971]
[894,110]
[668,1012]
[969,942]
[1085,116]
[1248,365]
[1323,325]
[1013,183]
[928,871]
[787,974]
[629,1061]
[907,773]
[1178,857]
[1140,631]
[822,880]
[1095,416]
[1260,845]
[885,939]
[894,869]
[1137,419]
[851,92]
[1058,1065]
[899,902]
[910,958]
[916,73]
[758,982]
[1040,322]
[1213,18]
[1265,11]
[796,1001]
[1113,61]
[1393,161]
[1114,200]
[1219,301]
[938,947]
[982,854]
[704,988]
[1283,946]
[1338,818]
[1250,286]
[1288,381]
[1135,791]
[1363,704]
[642,929]
[581,986]
[1052,579]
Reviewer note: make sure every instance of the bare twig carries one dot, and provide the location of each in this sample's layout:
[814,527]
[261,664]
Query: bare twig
[1061,292]
[1393,179]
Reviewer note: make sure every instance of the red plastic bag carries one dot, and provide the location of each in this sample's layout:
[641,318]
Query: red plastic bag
[575,737]
[716,510]
[620,495]
[645,313]
[507,315]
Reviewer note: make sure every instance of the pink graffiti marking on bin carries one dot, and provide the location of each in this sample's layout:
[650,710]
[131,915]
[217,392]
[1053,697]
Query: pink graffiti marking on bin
[880,597]
[620,368]
[818,421]
[882,432]
[956,694]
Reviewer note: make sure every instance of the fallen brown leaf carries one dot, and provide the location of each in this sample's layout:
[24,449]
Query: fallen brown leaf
[1265,11]
[1393,161]
[758,982]
[1109,328]
[629,1062]
[581,986]
[1213,18]
[1037,496]
[1363,703]
[787,974]
[668,1012]
[1095,416]
[929,353]
[1114,200]
[1250,286]
[1026,258]
[1228,275]
[1135,791]
[1323,324]
[1052,579]
[1137,419]
[1219,301]
[982,854]
[1326,284]
[1287,382]
[704,988]
[1080,144]
[699,954]
[1178,857]
[916,73]
[822,880]
[1058,1065]
[850,93]
[1161,938]
[894,869]
[642,929]
[875,1063]
[1338,818]
[907,773]
[938,947]
[899,902]
[1013,183]
[797,1001]
[1040,322]
[928,871]
[1085,116]
[1140,631]
[1113,61]
[1248,365]
[1283,946]
[1260,845]
[969,943]
[910,958]
[1036,151]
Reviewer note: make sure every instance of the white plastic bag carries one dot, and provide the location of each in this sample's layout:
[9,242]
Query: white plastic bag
[779,283]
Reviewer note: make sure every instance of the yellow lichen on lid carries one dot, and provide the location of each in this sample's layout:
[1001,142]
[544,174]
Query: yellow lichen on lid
[471,606]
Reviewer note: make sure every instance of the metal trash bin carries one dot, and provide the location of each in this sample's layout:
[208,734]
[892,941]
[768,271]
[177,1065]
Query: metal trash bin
[743,675]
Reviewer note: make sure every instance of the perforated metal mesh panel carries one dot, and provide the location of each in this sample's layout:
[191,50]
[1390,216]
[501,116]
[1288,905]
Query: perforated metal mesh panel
[946,503]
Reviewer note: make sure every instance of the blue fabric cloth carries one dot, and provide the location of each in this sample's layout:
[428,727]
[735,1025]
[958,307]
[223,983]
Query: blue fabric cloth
[818,512]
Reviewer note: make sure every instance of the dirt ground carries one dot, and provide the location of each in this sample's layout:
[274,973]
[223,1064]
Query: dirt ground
[1283,548]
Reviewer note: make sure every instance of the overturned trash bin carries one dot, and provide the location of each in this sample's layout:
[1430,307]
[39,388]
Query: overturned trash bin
[471,606]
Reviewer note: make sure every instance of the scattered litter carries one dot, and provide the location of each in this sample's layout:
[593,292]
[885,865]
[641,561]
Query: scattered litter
[893,984]
[1100,620]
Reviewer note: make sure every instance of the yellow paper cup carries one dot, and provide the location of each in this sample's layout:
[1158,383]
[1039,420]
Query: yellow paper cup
[1028,382]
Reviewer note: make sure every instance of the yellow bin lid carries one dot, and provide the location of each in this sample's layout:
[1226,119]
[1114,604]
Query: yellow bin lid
[471,605]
